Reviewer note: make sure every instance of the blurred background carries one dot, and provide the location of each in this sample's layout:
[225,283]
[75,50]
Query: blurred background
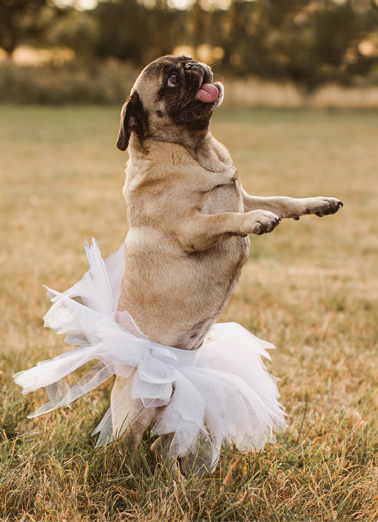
[281,53]
[301,85]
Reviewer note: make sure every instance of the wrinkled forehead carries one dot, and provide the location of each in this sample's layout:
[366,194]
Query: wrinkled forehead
[158,68]
[164,64]
[148,82]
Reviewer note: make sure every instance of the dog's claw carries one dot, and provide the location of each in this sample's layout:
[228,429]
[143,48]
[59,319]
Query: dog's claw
[328,207]
[266,222]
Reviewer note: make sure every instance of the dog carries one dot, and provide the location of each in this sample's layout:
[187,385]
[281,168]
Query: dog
[188,215]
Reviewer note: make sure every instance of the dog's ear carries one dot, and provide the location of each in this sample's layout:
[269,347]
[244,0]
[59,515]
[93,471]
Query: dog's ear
[133,119]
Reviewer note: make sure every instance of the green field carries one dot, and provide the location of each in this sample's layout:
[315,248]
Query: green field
[310,287]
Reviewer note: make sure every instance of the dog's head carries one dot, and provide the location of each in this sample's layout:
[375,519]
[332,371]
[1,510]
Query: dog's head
[172,95]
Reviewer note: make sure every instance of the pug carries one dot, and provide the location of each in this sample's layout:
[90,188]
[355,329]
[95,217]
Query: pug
[188,215]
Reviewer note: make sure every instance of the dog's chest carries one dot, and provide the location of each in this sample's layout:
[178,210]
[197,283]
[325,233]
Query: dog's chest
[222,196]
[225,195]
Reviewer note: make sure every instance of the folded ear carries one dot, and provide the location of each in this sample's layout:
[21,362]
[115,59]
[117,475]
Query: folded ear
[133,119]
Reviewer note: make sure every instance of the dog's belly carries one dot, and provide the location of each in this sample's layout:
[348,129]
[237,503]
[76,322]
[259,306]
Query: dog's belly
[175,297]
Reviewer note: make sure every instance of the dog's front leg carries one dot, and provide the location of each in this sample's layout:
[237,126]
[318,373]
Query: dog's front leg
[291,207]
[202,231]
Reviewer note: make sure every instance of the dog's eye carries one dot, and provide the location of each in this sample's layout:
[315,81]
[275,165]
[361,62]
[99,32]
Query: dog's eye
[173,80]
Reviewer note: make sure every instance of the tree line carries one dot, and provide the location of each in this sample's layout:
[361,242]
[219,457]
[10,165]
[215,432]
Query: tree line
[308,41]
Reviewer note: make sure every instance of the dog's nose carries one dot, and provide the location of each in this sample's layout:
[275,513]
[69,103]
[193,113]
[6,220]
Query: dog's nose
[189,65]
[197,67]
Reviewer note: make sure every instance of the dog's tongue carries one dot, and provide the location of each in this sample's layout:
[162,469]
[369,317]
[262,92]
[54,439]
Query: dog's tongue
[208,93]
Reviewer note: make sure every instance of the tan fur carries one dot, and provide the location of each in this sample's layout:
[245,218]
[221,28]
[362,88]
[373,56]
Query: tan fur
[189,221]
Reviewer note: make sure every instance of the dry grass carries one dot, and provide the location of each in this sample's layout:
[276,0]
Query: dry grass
[310,287]
[255,92]
[334,96]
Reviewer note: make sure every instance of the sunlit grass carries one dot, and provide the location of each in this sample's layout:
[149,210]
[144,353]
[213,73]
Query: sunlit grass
[310,287]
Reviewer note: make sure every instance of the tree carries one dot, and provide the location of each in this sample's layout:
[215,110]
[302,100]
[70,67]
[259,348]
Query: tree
[76,30]
[22,21]
[128,30]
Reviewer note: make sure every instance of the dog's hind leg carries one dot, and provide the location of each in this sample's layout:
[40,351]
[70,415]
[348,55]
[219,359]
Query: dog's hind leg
[160,450]
[160,447]
[139,419]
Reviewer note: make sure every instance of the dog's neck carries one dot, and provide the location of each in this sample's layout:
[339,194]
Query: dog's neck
[210,154]
[201,145]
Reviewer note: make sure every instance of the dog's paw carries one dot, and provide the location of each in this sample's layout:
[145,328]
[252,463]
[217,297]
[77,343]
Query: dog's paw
[261,222]
[323,206]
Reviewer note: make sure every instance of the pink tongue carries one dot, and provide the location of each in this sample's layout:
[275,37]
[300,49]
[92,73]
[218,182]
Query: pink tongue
[208,93]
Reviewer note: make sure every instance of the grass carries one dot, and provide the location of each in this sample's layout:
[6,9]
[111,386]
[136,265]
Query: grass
[256,92]
[310,287]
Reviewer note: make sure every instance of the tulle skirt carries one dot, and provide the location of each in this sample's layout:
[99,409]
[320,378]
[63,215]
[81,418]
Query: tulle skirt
[218,394]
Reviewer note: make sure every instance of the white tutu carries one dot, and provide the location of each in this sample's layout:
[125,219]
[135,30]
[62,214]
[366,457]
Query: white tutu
[222,391]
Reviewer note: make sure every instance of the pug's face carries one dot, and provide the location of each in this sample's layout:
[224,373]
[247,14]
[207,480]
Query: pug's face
[173,96]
